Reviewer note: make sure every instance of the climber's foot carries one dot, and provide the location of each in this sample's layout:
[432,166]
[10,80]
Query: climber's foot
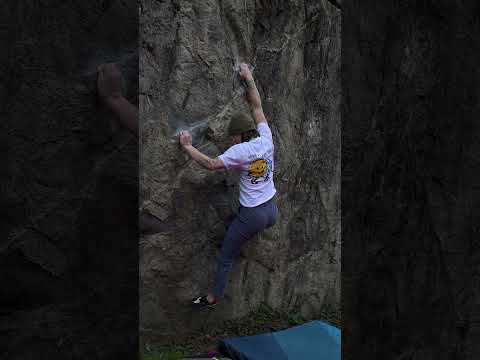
[204,302]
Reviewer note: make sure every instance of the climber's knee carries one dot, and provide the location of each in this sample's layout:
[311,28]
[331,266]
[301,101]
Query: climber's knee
[225,261]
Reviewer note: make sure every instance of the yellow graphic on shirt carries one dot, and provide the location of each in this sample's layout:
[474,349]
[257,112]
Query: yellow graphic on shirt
[258,168]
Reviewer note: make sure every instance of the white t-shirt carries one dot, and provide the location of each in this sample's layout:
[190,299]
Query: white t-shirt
[254,161]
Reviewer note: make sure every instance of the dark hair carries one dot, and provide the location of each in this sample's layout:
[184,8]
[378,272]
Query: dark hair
[249,135]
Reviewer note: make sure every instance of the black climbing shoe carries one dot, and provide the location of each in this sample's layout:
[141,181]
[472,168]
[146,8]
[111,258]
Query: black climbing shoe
[201,302]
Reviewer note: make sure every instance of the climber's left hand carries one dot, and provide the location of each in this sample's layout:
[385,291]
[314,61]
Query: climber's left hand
[185,138]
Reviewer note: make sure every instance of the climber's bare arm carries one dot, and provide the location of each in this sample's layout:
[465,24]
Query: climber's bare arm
[253,95]
[109,85]
[202,159]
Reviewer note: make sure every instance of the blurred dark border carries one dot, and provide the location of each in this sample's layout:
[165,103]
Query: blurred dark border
[410,180]
[69,183]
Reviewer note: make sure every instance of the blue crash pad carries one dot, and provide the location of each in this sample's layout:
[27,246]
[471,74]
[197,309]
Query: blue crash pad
[314,340]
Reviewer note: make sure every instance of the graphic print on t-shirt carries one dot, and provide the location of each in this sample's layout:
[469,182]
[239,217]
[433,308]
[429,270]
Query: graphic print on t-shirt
[259,170]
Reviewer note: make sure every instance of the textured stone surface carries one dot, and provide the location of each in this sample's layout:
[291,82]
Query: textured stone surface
[410,175]
[69,182]
[187,57]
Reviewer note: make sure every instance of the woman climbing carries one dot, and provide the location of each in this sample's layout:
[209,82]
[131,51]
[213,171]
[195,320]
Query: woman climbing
[251,156]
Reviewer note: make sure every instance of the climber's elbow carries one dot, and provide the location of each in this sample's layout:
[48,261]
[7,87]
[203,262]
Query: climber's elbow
[215,164]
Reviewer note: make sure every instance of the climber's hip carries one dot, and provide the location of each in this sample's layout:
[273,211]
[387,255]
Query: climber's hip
[251,220]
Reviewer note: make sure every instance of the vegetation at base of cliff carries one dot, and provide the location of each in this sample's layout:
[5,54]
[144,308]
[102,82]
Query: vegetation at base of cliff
[264,319]
[165,353]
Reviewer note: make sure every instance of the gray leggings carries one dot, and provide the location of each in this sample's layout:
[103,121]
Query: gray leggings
[247,223]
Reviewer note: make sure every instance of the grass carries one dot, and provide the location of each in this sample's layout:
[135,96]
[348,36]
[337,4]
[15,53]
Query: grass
[263,319]
[165,353]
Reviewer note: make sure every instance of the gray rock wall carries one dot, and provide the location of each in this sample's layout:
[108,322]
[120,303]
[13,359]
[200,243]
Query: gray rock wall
[188,52]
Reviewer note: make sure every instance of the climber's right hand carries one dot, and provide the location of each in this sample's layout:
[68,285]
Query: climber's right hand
[245,73]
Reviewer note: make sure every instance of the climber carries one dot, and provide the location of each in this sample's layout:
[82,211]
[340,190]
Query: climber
[252,157]
[109,87]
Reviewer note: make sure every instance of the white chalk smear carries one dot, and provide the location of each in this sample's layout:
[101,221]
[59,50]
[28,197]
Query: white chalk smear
[198,126]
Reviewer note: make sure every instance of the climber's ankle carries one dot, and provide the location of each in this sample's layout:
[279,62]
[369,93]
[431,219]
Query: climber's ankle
[211,299]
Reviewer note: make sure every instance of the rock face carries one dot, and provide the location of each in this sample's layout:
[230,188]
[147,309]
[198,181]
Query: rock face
[69,183]
[188,53]
[410,175]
